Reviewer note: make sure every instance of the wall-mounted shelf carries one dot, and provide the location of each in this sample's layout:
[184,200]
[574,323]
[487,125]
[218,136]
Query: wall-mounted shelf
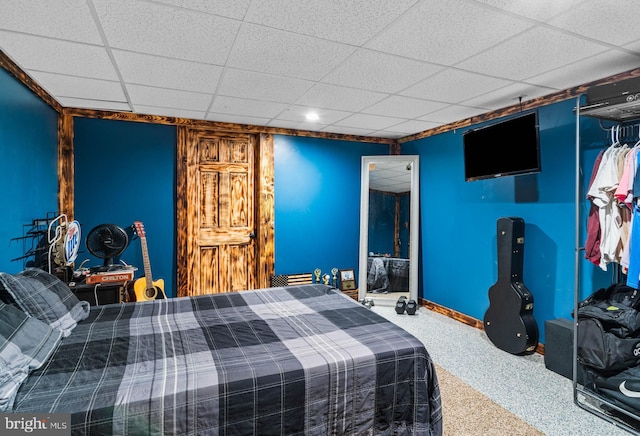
[34,242]
[618,112]
[617,101]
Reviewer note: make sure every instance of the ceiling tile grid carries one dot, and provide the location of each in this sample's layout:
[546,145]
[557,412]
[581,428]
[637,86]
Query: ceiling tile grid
[365,67]
[161,72]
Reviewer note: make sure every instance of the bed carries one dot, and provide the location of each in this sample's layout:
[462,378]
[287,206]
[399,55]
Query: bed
[289,360]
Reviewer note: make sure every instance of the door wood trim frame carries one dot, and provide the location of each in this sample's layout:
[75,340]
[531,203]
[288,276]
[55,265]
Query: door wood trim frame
[264,207]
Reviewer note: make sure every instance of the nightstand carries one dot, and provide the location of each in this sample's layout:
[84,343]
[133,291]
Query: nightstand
[353,293]
[100,293]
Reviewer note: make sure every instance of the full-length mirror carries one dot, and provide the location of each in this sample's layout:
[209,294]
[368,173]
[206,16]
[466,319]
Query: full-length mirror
[389,205]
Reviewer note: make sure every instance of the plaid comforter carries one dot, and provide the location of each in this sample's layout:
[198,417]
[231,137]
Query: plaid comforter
[278,361]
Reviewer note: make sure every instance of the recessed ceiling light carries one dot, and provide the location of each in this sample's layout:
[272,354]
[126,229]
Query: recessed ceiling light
[312,116]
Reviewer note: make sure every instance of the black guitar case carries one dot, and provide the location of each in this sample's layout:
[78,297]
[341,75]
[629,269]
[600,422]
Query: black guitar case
[509,321]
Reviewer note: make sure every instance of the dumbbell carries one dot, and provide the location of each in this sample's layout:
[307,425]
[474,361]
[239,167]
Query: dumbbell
[367,302]
[401,304]
[412,306]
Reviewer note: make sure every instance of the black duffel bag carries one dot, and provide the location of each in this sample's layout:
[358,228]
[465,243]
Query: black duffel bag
[622,389]
[623,321]
[608,337]
[603,350]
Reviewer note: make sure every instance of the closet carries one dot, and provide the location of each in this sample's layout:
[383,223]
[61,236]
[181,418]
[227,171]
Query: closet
[606,335]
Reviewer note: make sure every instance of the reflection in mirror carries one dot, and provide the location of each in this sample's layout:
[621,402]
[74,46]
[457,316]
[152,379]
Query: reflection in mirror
[388,228]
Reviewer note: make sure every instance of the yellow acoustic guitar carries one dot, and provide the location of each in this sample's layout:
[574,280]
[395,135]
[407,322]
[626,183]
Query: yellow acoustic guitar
[145,288]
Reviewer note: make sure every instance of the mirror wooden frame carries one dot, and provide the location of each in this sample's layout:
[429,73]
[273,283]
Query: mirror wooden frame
[414,231]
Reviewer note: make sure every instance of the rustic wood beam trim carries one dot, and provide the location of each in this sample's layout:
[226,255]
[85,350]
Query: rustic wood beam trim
[183,141]
[220,126]
[450,313]
[461,317]
[66,168]
[265,214]
[17,72]
[527,105]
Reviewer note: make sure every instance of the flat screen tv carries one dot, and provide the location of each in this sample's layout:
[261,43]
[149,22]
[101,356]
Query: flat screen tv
[506,148]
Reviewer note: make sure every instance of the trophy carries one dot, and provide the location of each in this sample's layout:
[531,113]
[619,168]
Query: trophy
[316,273]
[334,280]
[325,279]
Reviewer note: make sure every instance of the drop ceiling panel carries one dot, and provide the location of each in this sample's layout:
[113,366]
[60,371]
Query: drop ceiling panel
[237,119]
[521,57]
[295,125]
[299,113]
[56,56]
[601,65]
[365,121]
[94,104]
[161,30]
[602,20]
[352,22]
[348,130]
[168,98]
[64,19]
[410,127]
[404,107]
[457,112]
[247,107]
[259,48]
[541,10]
[169,73]
[455,86]
[447,32]
[251,85]
[390,177]
[340,98]
[508,96]
[80,87]
[377,71]
[235,9]
[633,47]
[169,112]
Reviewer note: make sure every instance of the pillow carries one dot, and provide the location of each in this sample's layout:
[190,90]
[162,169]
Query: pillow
[25,344]
[44,296]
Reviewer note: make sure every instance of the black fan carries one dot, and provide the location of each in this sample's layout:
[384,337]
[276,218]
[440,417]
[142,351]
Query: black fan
[107,241]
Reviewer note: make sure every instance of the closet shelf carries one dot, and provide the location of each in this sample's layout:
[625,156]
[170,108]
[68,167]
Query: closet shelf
[620,112]
[618,101]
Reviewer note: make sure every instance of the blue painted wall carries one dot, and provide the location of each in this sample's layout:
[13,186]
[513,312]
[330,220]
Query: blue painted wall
[125,172]
[458,220]
[28,165]
[317,203]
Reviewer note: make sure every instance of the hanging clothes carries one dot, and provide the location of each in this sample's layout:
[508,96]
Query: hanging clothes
[592,245]
[611,193]
[601,194]
[624,197]
[633,274]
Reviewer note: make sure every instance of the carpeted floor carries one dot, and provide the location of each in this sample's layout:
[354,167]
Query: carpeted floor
[487,391]
[466,411]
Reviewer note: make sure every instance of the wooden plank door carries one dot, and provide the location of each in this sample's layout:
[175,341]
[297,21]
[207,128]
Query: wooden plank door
[220,238]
